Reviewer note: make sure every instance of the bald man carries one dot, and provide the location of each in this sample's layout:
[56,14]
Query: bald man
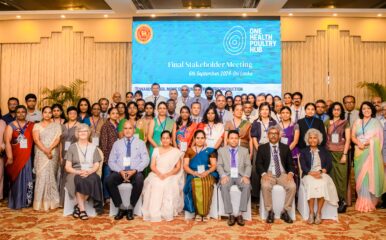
[116,99]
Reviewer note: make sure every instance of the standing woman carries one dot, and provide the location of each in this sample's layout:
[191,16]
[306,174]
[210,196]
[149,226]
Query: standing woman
[158,125]
[338,143]
[3,125]
[46,135]
[95,121]
[58,114]
[287,99]
[213,128]
[122,112]
[68,138]
[310,121]
[200,166]
[148,118]
[109,134]
[162,191]
[84,109]
[18,146]
[269,100]
[184,130]
[367,135]
[252,99]
[242,126]
[290,137]
[134,118]
[229,104]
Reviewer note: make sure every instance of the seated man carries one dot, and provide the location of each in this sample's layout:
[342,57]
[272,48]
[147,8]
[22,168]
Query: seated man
[234,167]
[274,164]
[128,158]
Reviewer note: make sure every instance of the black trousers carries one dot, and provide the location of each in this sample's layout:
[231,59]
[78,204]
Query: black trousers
[115,179]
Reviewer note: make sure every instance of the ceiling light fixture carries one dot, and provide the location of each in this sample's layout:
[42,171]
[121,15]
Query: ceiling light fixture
[244,15]
[153,15]
[198,15]
[63,16]
[379,15]
[290,14]
[18,16]
[106,16]
[335,14]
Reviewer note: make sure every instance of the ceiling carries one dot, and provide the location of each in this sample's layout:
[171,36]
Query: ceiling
[50,9]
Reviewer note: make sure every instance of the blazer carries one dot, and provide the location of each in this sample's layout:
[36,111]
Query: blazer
[224,162]
[263,158]
[306,158]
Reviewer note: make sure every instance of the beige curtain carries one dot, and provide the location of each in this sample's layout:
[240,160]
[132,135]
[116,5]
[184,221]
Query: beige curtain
[61,59]
[346,58]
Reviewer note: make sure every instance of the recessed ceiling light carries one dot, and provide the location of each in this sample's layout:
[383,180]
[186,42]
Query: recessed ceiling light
[198,15]
[18,16]
[244,14]
[106,16]
[290,14]
[335,14]
[63,16]
[153,15]
[379,15]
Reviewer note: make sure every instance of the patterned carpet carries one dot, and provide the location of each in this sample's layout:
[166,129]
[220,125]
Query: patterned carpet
[29,224]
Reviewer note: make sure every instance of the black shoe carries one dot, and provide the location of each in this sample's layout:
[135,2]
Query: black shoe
[231,220]
[240,220]
[270,217]
[120,215]
[285,217]
[130,215]
[342,206]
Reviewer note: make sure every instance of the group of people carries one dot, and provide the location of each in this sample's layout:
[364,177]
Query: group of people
[174,152]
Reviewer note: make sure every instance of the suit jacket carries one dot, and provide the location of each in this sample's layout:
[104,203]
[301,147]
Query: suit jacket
[243,160]
[306,158]
[263,158]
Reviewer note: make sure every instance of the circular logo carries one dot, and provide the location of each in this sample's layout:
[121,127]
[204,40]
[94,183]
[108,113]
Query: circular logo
[143,33]
[235,40]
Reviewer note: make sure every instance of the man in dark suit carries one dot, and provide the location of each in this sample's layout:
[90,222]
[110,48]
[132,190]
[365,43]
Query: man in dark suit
[274,164]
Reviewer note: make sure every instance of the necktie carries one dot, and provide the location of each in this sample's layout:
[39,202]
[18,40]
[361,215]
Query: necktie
[155,101]
[197,99]
[348,118]
[248,118]
[233,158]
[221,113]
[184,100]
[297,116]
[276,160]
[128,148]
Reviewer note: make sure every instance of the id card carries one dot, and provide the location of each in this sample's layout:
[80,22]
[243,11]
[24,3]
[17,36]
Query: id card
[200,169]
[126,161]
[210,142]
[95,141]
[362,139]
[335,138]
[284,140]
[67,145]
[23,143]
[183,146]
[234,172]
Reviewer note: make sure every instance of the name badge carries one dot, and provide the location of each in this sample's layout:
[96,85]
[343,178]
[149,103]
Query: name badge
[126,161]
[284,140]
[362,139]
[67,145]
[183,146]
[210,142]
[136,136]
[201,169]
[95,141]
[85,166]
[23,143]
[335,138]
[234,172]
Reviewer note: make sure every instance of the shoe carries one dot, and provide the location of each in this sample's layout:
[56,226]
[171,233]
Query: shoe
[270,217]
[318,219]
[76,211]
[120,215]
[285,217]
[83,215]
[311,219]
[231,220]
[130,215]
[342,206]
[240,220]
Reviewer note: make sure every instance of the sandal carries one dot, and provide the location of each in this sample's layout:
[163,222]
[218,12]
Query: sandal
[83,215]
[198,218]
[76,211]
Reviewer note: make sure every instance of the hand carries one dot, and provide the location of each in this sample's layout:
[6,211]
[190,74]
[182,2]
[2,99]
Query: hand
[343,159]
[49,156]
[290,177]
[361,146]
[266,177]
[9,161]
[123,175]
[245,180]
[204,174]
[224,180]
[162,176]
[367,143]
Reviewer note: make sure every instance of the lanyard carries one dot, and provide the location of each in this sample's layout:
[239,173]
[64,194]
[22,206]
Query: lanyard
[114,125]
[265,128]
[234,124]
[364,127]
[162,124]
[198,152]
[68,126]
[22,129]
[128,146]
[335,127]
[210,129]
[83,153]
[93,123]
[309,125]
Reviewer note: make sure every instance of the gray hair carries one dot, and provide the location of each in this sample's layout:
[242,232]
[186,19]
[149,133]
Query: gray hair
[314,132]
[383,104]
[274,127]
[185,86]
[82,127]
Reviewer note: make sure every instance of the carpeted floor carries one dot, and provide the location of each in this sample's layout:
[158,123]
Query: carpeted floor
[29,224]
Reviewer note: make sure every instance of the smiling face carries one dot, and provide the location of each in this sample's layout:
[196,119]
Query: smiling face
[366,110]
[47,114]
[199,140]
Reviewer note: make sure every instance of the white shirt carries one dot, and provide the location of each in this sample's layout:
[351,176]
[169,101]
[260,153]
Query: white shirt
[226,115]
[35,116]
[353,116]
[301,113]
[159,99]
[272,163]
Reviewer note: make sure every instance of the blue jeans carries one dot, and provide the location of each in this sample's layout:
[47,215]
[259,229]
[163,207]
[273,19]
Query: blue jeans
[105,173]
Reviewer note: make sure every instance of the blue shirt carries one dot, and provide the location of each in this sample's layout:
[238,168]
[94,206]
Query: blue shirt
[8,118]
[139,159]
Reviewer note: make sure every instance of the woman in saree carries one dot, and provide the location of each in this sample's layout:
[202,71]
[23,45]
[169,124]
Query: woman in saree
[200,166]
[184,130]
[46,135]
[367,135]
